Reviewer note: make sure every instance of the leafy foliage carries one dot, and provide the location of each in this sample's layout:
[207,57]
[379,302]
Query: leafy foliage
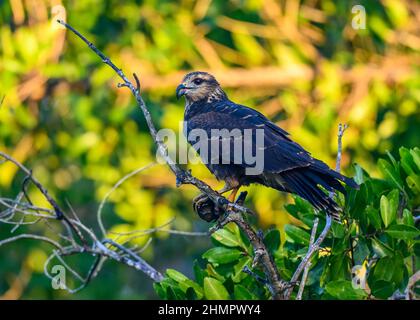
[370,255]
[62,115]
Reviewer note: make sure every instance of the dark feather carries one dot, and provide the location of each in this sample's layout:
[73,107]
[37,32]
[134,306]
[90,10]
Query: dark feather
[287,166]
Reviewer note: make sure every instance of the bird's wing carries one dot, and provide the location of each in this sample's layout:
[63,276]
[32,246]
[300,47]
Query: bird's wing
[280,152]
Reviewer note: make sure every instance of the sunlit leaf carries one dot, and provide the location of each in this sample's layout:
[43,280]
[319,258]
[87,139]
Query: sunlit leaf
[297,235]
[402,231]
[221,255]
[227,238]
[242,293]
[272,240]
[390,173]
[389,206]
[214,290]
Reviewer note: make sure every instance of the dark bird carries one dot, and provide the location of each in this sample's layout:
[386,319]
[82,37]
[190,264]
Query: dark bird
[287,166]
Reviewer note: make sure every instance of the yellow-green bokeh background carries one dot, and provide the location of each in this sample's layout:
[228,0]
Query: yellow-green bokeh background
[299,62]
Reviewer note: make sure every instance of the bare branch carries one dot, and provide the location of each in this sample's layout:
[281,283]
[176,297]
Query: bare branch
[138,263]
[308,265]
[119,182]
[31,236]
[58,212]
[412,281]
[316,245]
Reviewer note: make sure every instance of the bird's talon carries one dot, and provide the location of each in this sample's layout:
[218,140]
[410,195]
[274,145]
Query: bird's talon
[222,202]
[205,208]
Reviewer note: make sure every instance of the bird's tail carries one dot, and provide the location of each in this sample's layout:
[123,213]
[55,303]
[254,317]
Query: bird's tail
[305,182]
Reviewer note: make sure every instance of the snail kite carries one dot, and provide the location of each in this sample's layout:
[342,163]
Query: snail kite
[286,165]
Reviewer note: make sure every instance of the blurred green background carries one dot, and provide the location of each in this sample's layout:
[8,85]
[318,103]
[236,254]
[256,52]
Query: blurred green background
[299,62]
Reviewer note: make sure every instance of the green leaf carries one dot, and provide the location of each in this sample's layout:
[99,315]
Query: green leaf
[238,273]
[184,283]
[413,182]
[297,235]
[191,294]
[343,290]
[380,248]
[359,200]
[391,157]
[407,162]
[174,293]
[390,269]
[361,251]
[159,290]
[189,284]
[382,289]
[374,217]
[170,294]
[384,269]
[199,273]
[227,238]
[407,218]
[176,275]
[214,289]
[303,206]
[272,240]
[360,174]
[242,293]
[394,200]
[221,255]
[307,217]
[389,206]
[211,271]
[390,173]
[416,156]
[402,231]
[338,230]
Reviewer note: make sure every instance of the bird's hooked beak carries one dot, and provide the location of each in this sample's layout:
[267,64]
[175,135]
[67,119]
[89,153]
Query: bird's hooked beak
[181,90]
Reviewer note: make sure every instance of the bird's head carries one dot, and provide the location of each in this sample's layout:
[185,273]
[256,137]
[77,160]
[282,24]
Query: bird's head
[198,86]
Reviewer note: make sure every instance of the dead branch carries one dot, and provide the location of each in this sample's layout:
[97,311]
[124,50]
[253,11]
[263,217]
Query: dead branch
[21,211]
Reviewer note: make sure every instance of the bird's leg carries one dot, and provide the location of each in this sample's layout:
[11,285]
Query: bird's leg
[233,194]
[205,207]
[202,197]
[225,189]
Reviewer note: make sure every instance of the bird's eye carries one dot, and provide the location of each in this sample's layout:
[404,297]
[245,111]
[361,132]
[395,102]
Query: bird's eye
[198,81]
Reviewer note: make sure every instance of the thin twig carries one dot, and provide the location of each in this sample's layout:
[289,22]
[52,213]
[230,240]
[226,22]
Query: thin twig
[141,233]
[57,210]
[105,198]
[308,265]
[31,236]
[317,244]
[139,262]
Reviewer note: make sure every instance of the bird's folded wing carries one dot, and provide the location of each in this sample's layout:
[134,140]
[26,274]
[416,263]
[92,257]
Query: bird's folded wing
[279,152]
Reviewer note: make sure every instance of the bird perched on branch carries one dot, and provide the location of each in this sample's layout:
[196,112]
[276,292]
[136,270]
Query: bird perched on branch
[285,166]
